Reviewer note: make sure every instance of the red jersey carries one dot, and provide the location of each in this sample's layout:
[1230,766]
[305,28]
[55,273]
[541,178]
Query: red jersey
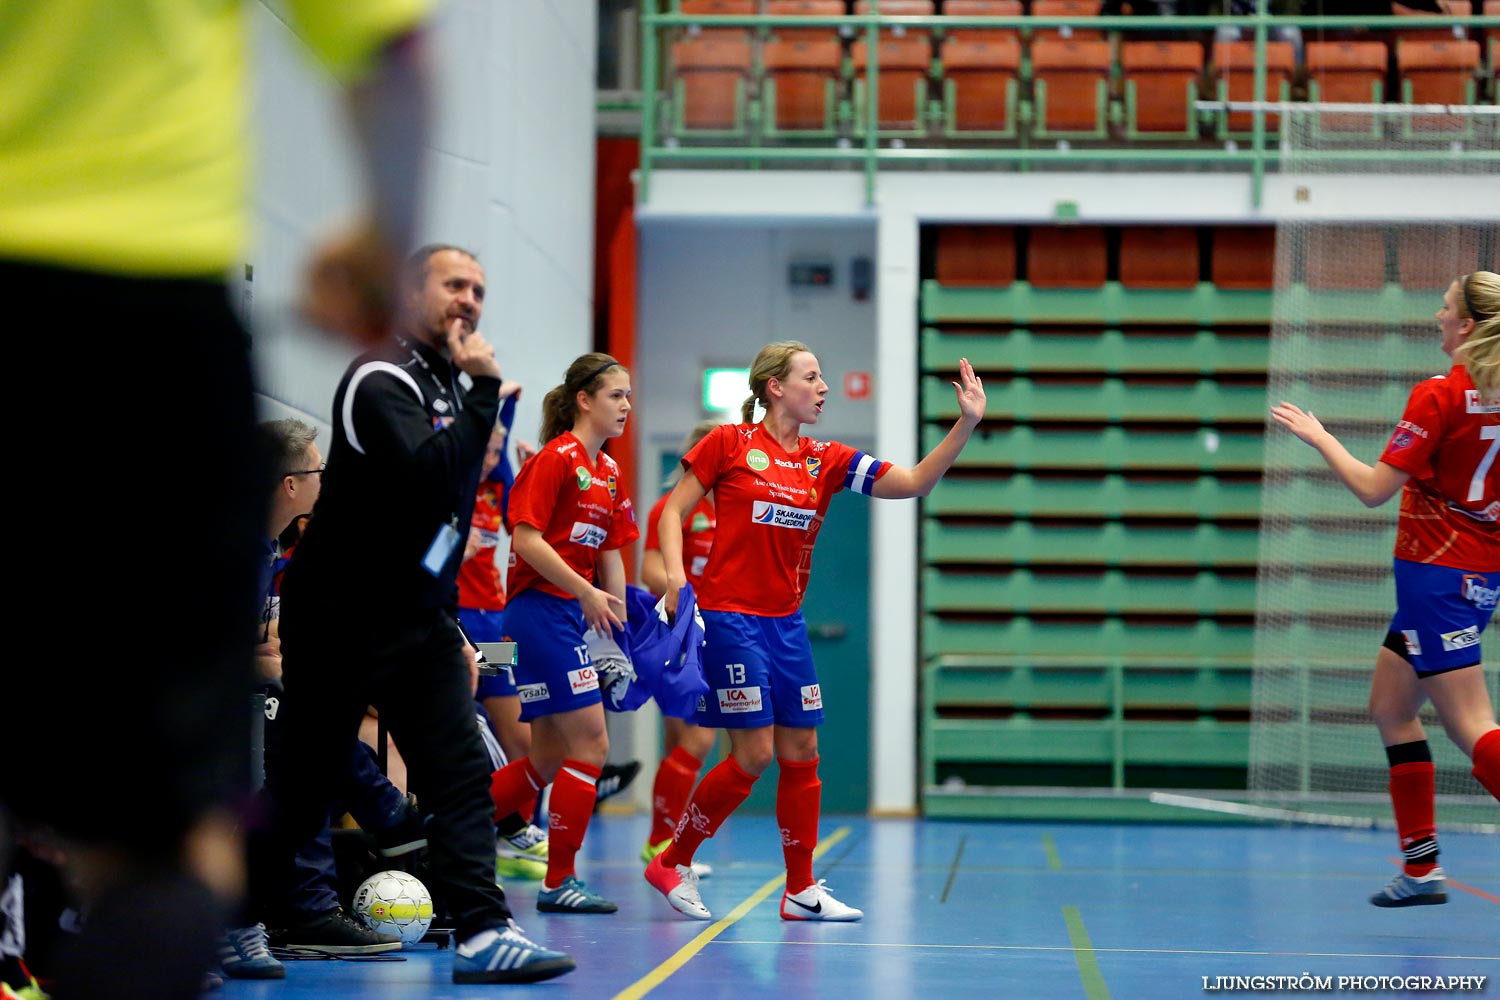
[578,505]
[697,537]
[479,583]
[771,504]
[1450,508]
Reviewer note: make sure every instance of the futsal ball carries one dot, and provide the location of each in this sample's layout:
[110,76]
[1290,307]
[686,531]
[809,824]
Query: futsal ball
[395,902]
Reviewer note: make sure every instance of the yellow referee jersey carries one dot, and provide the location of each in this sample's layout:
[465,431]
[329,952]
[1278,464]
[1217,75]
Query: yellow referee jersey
[122,124]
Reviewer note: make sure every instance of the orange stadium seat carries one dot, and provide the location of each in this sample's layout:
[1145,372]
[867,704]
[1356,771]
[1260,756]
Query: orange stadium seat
[1428,257]
[1159,257]
[712,82]
[981,84]
[1234,76]
[801,85]
[719,7]
[1346,73]
[1067,257]
[984,8]
[1161,86]
[1244,257]
[975,255]
[903,66]
[1072,86]
[1345,258]
[805,8]
[1067,8]
[1433,72]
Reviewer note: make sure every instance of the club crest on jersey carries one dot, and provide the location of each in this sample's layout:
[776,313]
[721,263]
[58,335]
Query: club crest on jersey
[610,485]
[757,460]
[584,479]
[1402,439]
[814,465]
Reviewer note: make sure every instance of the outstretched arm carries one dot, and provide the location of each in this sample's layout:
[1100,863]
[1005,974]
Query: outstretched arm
[900,483]
[1373,484]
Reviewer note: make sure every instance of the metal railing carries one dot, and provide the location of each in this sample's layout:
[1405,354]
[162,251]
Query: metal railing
[871,155]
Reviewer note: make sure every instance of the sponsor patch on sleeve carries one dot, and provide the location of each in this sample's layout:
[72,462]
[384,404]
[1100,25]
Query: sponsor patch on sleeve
[812,697]
[532,692]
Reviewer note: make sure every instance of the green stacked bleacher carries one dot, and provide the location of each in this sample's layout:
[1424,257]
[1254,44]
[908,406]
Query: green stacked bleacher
[1088,580]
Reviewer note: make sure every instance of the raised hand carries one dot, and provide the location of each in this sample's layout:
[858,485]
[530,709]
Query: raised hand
[1300,422]
[470,352]
[971,399]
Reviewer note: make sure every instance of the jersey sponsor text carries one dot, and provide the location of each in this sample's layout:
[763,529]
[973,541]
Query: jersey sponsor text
[583,679]
[780,516]
[739,700]
[584,533]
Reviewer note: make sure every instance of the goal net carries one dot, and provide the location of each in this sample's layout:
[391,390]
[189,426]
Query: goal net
[1353,329]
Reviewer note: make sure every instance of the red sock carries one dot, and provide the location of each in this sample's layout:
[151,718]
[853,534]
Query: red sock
[568,816]
[719,793]
[1487,761]
[1412,789]
[512,785]
[674,783]
[799,797]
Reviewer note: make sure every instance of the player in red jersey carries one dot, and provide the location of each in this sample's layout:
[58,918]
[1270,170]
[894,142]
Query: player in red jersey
[569,518]
[687,744]
[1441,457]
[771,491]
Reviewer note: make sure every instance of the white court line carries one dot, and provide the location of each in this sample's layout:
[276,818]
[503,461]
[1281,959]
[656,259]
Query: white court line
[1114,951]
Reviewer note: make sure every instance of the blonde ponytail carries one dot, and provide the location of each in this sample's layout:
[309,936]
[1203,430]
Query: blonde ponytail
[1480,353]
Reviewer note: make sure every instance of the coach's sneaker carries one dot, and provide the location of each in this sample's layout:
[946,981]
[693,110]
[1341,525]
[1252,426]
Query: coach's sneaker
[407,831]
[335,933]
[245,954]
[573,896]
[522,855]
[816,903]
[1413,890]
[702,869]
[680,885]
[506,955]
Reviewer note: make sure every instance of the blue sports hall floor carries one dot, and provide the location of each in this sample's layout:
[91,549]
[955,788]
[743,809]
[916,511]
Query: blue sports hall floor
[988,909]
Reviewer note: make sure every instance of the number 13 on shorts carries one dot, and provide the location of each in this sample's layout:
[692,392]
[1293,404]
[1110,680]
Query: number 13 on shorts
[736,673]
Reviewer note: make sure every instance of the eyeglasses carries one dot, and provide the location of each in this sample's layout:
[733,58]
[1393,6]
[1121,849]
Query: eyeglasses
[310,472]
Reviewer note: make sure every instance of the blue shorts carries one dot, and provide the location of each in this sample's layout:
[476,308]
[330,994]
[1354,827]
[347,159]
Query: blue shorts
[1440,613]
[488,626]
[759,671]
[554,673]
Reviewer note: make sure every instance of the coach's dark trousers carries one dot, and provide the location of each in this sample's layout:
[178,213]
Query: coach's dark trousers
[411,667]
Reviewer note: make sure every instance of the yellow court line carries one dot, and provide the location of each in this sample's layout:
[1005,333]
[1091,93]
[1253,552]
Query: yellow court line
[662,972]
[1054,860]
[1083,956]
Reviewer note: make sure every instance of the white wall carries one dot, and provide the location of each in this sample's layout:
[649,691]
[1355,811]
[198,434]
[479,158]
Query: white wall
[510,176]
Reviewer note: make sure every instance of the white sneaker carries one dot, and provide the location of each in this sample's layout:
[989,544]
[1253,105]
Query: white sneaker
[816,903]
[680,885]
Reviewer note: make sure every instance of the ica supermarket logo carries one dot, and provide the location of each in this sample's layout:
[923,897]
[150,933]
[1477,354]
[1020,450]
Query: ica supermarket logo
[757,460]
[584,479]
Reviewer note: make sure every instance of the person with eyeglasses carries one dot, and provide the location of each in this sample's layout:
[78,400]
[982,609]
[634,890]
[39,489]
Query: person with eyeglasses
[369,611]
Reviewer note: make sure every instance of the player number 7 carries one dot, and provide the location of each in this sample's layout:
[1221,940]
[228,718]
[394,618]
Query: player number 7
[1476,485]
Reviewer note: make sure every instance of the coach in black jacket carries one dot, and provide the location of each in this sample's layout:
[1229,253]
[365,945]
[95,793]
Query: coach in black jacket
[369,601]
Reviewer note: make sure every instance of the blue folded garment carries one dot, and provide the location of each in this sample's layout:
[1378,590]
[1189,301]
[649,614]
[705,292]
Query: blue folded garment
[665,657]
